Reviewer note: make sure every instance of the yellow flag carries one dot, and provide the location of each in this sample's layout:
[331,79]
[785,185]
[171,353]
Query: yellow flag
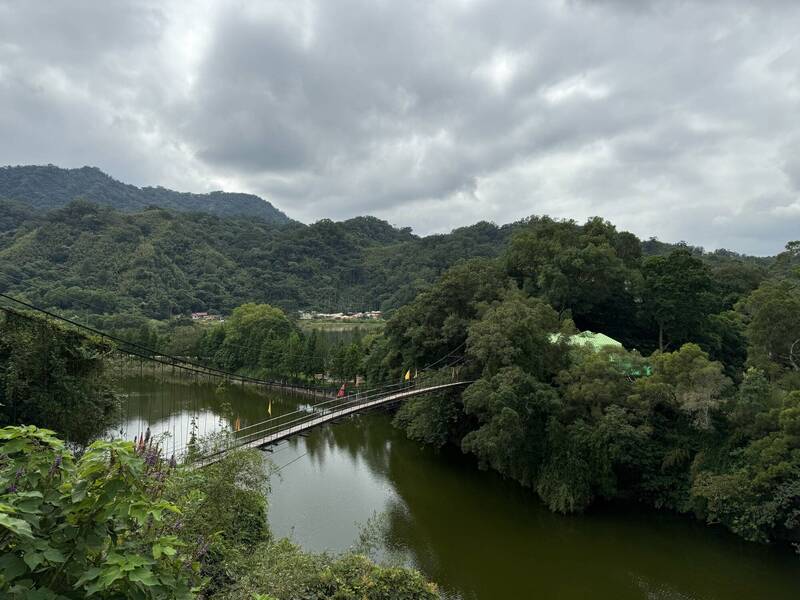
[269,408]
[408,375]
[238,424]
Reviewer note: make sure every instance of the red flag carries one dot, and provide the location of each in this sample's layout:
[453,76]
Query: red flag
[341,391]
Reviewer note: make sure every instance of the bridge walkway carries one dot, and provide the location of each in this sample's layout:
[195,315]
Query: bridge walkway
[315,418]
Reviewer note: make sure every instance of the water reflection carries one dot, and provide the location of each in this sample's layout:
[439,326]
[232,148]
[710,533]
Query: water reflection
[477,536]
[173,409]
[480,537]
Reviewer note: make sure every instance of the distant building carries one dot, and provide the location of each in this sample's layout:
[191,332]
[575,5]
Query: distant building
[358,316]
[204,316]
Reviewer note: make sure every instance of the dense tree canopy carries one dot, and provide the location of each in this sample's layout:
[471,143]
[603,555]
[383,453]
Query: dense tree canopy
[577,424]
[677,295]
[773,326]
[156,264]
[52,377]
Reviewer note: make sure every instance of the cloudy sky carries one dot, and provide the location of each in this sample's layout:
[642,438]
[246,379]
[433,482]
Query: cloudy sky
[677,119]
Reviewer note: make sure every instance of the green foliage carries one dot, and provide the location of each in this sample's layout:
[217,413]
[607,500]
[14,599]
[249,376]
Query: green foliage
[692,382]
[346,361]
[773,327]
[677,295]
[514,331]
[577,425]
[281,570]
[571,266]
[223,508]
[513,410]
[96,526]
[432,419]
[97,262]
[261,340]
[590,270]
[758,495]
[120,523]
[44,187]
[253,336]
[50,375]
[436,323]
[354,577]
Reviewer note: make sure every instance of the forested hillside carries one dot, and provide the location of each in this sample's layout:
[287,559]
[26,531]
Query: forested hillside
[94,260]
[48,187]
[158,263]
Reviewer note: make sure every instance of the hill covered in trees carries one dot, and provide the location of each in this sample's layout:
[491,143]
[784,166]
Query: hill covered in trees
[47,187]
[157,263]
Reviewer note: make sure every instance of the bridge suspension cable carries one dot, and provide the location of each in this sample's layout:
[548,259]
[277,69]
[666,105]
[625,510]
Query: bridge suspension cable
[326,410]
[138,350]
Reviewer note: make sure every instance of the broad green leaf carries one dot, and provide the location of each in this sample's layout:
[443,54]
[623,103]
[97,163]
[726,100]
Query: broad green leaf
[33,559]
[16,526]
[88,576]
[11,566]
[144,576]
[54,555]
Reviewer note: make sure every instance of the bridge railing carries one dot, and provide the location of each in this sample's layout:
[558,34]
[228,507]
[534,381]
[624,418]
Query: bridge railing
[325,404]
[299,423]
[297,418]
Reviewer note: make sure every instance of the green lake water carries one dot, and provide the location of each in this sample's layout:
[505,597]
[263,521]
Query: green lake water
[476,535]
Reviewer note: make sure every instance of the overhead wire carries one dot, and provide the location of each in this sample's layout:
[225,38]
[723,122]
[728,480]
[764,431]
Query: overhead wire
[309,411]
[149,351]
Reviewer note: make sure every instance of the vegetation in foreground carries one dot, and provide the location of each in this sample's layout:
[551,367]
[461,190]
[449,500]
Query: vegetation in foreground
[120,522]
[52,377]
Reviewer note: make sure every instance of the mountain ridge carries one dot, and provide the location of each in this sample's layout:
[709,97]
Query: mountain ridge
[48,187]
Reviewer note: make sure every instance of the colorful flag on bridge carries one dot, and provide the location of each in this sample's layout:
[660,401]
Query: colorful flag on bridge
[269,408]
[341,391]
[408,375]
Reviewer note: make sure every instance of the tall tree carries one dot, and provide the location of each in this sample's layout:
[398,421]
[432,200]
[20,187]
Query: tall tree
[515,331]
[54,377]
[678,296]
[773,328]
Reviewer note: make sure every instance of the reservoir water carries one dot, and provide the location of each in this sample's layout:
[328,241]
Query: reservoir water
[476,535]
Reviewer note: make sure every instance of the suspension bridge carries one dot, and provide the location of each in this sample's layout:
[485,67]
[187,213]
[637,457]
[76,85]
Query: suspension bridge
[271,431]
[198,445]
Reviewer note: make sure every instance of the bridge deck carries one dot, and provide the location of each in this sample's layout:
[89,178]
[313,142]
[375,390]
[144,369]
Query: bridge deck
[325,416]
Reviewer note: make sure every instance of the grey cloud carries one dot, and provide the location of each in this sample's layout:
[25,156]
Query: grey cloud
[671,118]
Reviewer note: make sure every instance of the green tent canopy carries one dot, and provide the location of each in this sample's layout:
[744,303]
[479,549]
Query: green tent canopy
[596,341]
[599,341]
